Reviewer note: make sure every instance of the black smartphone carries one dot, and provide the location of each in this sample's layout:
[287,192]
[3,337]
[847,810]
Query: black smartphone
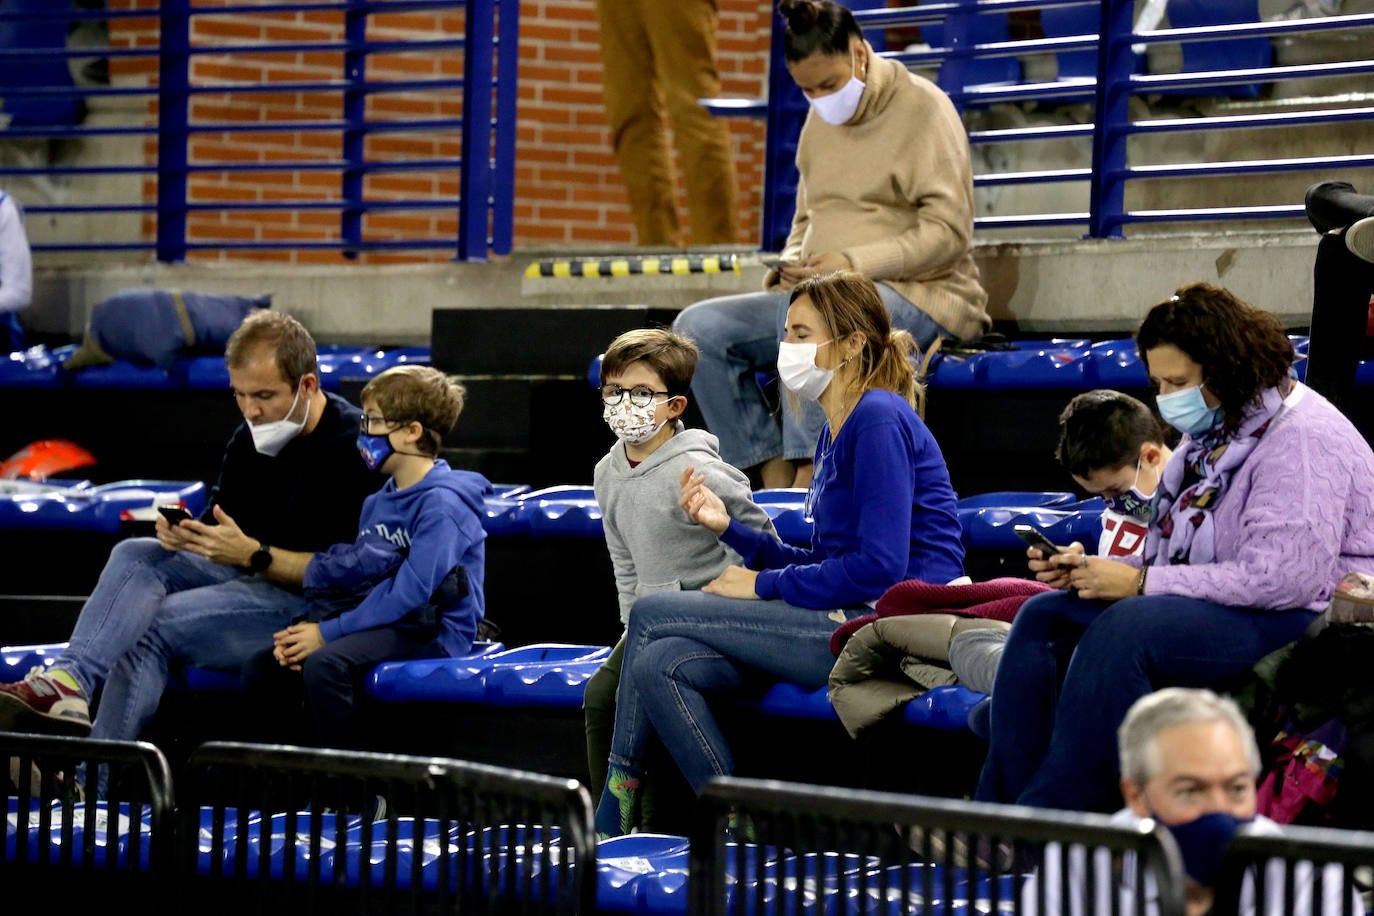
[775,263]
[175,514]
[1036,538]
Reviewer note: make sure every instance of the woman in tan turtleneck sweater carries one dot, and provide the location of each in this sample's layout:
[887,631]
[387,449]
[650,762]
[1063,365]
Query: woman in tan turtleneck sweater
[886,189]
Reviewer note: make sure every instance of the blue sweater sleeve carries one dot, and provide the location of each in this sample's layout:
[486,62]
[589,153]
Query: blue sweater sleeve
[437,543]
[867,509]
[762,549]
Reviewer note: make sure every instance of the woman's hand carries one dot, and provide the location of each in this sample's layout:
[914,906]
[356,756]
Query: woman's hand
[813,265]
[702,505]
[1103,579]
[735,582]
[1054,572]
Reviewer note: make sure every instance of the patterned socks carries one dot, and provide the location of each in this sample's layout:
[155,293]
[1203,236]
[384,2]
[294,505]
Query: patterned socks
[617,813]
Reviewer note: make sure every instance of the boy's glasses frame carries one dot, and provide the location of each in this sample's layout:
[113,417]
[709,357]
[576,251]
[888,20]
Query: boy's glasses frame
[367,421]
[640,395]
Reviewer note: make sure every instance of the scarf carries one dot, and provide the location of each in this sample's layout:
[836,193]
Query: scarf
[1196,480]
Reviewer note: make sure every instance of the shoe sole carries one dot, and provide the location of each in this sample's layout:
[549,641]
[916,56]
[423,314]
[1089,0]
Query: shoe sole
[18,716]
[1359,238]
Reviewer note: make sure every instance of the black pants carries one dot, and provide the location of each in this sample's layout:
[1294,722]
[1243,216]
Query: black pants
[1342,285]
[317,704]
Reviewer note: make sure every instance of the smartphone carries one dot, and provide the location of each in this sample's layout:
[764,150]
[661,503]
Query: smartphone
[174,514]
[1036,538]
[775,263]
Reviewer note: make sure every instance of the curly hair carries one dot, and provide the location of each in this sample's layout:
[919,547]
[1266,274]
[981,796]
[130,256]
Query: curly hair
[1242,350]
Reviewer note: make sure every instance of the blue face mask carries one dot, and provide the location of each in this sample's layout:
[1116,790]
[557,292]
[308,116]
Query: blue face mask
[374,449]
[1187,412]
[1203,843]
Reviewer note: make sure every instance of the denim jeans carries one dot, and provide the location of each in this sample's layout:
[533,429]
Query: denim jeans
[684,648]
[150,608]
[1072,668]
[738,336]
[1341,286]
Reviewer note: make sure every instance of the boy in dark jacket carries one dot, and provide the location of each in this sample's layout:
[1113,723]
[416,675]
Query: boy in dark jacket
[410,586]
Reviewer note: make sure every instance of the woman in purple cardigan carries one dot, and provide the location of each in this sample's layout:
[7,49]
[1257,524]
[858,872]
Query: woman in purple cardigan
[1267,501]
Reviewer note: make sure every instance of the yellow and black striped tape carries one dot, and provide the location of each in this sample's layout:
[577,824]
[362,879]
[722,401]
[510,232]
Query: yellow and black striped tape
[635,266]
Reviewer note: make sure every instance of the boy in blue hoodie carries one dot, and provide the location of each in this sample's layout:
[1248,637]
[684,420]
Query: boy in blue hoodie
[410,586]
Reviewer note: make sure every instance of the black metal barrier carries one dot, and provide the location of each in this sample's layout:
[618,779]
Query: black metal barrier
[293,830]
[59,848]
[762,847]
[1303,871]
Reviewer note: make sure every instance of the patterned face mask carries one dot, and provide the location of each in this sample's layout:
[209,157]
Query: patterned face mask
[633,424]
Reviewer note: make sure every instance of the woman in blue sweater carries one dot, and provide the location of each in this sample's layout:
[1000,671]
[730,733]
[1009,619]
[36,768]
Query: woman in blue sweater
[883,511]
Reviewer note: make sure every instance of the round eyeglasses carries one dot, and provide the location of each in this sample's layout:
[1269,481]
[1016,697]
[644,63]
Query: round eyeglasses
[640,395]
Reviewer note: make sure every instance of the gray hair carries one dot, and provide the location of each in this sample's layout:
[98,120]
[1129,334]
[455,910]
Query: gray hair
[1137,738]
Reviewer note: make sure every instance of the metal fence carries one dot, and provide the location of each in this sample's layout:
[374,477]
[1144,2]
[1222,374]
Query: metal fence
[1304,871]
[763,847]
[1213,49]
[467,79]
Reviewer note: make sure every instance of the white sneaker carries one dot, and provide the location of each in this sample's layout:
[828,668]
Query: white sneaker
[1359,238]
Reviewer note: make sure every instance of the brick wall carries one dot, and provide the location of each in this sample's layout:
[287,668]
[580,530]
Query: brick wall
[568,191]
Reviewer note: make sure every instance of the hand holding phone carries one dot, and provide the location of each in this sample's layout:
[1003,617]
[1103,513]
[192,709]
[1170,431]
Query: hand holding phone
[175,514]
[1037,539]
[775,263]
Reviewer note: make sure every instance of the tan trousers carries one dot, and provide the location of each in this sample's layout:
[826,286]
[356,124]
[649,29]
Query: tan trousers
[658,59]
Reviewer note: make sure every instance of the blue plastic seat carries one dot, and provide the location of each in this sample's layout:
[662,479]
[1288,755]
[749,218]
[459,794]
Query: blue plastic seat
[542,674]
[561,511]
[426,678]
[642,873]
[957,75]
[1011,498]
[36,367]
[104,509]
[15,661]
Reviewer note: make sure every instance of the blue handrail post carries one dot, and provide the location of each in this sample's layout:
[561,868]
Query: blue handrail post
[475,189]
[354,131]
[507,74]
[958,29]
[1111,128]
[173,113]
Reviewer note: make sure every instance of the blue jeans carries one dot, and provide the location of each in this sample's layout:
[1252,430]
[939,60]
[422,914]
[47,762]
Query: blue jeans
[684,648]
[1073,667]
[151,605]
[738,336]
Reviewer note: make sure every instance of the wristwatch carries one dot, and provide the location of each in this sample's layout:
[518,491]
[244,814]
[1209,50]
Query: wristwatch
[261,558]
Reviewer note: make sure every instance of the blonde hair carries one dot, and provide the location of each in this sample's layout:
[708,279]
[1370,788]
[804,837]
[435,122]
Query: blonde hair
[849,303]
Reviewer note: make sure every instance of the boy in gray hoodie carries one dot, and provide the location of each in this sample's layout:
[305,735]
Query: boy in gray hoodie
[655,547]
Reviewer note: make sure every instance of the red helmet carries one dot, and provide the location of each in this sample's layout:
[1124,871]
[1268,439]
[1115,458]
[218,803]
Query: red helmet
[44,458]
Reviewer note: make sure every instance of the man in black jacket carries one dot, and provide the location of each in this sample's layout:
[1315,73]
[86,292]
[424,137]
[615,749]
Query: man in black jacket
[210,592]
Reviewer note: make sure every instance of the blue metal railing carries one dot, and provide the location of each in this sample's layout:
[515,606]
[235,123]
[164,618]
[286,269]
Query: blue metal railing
[1221,57]
[484,129]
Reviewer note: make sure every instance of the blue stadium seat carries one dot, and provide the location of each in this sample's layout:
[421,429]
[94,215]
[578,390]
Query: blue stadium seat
[15,661]
[70,506]
[562,511]
[642,873]
[533,675]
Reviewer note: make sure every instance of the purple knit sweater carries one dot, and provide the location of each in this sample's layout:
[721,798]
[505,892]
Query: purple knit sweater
[1298,515]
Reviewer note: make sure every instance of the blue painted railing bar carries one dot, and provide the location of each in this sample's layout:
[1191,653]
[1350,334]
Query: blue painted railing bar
[485,130]
[1109,87]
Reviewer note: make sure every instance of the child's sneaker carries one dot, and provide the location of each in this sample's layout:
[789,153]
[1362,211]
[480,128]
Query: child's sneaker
[1359,238]
[42,703]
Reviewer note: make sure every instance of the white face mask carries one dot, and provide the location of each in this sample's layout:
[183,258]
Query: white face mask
[798,370]
[839,106]
[631,424]
[271,438]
